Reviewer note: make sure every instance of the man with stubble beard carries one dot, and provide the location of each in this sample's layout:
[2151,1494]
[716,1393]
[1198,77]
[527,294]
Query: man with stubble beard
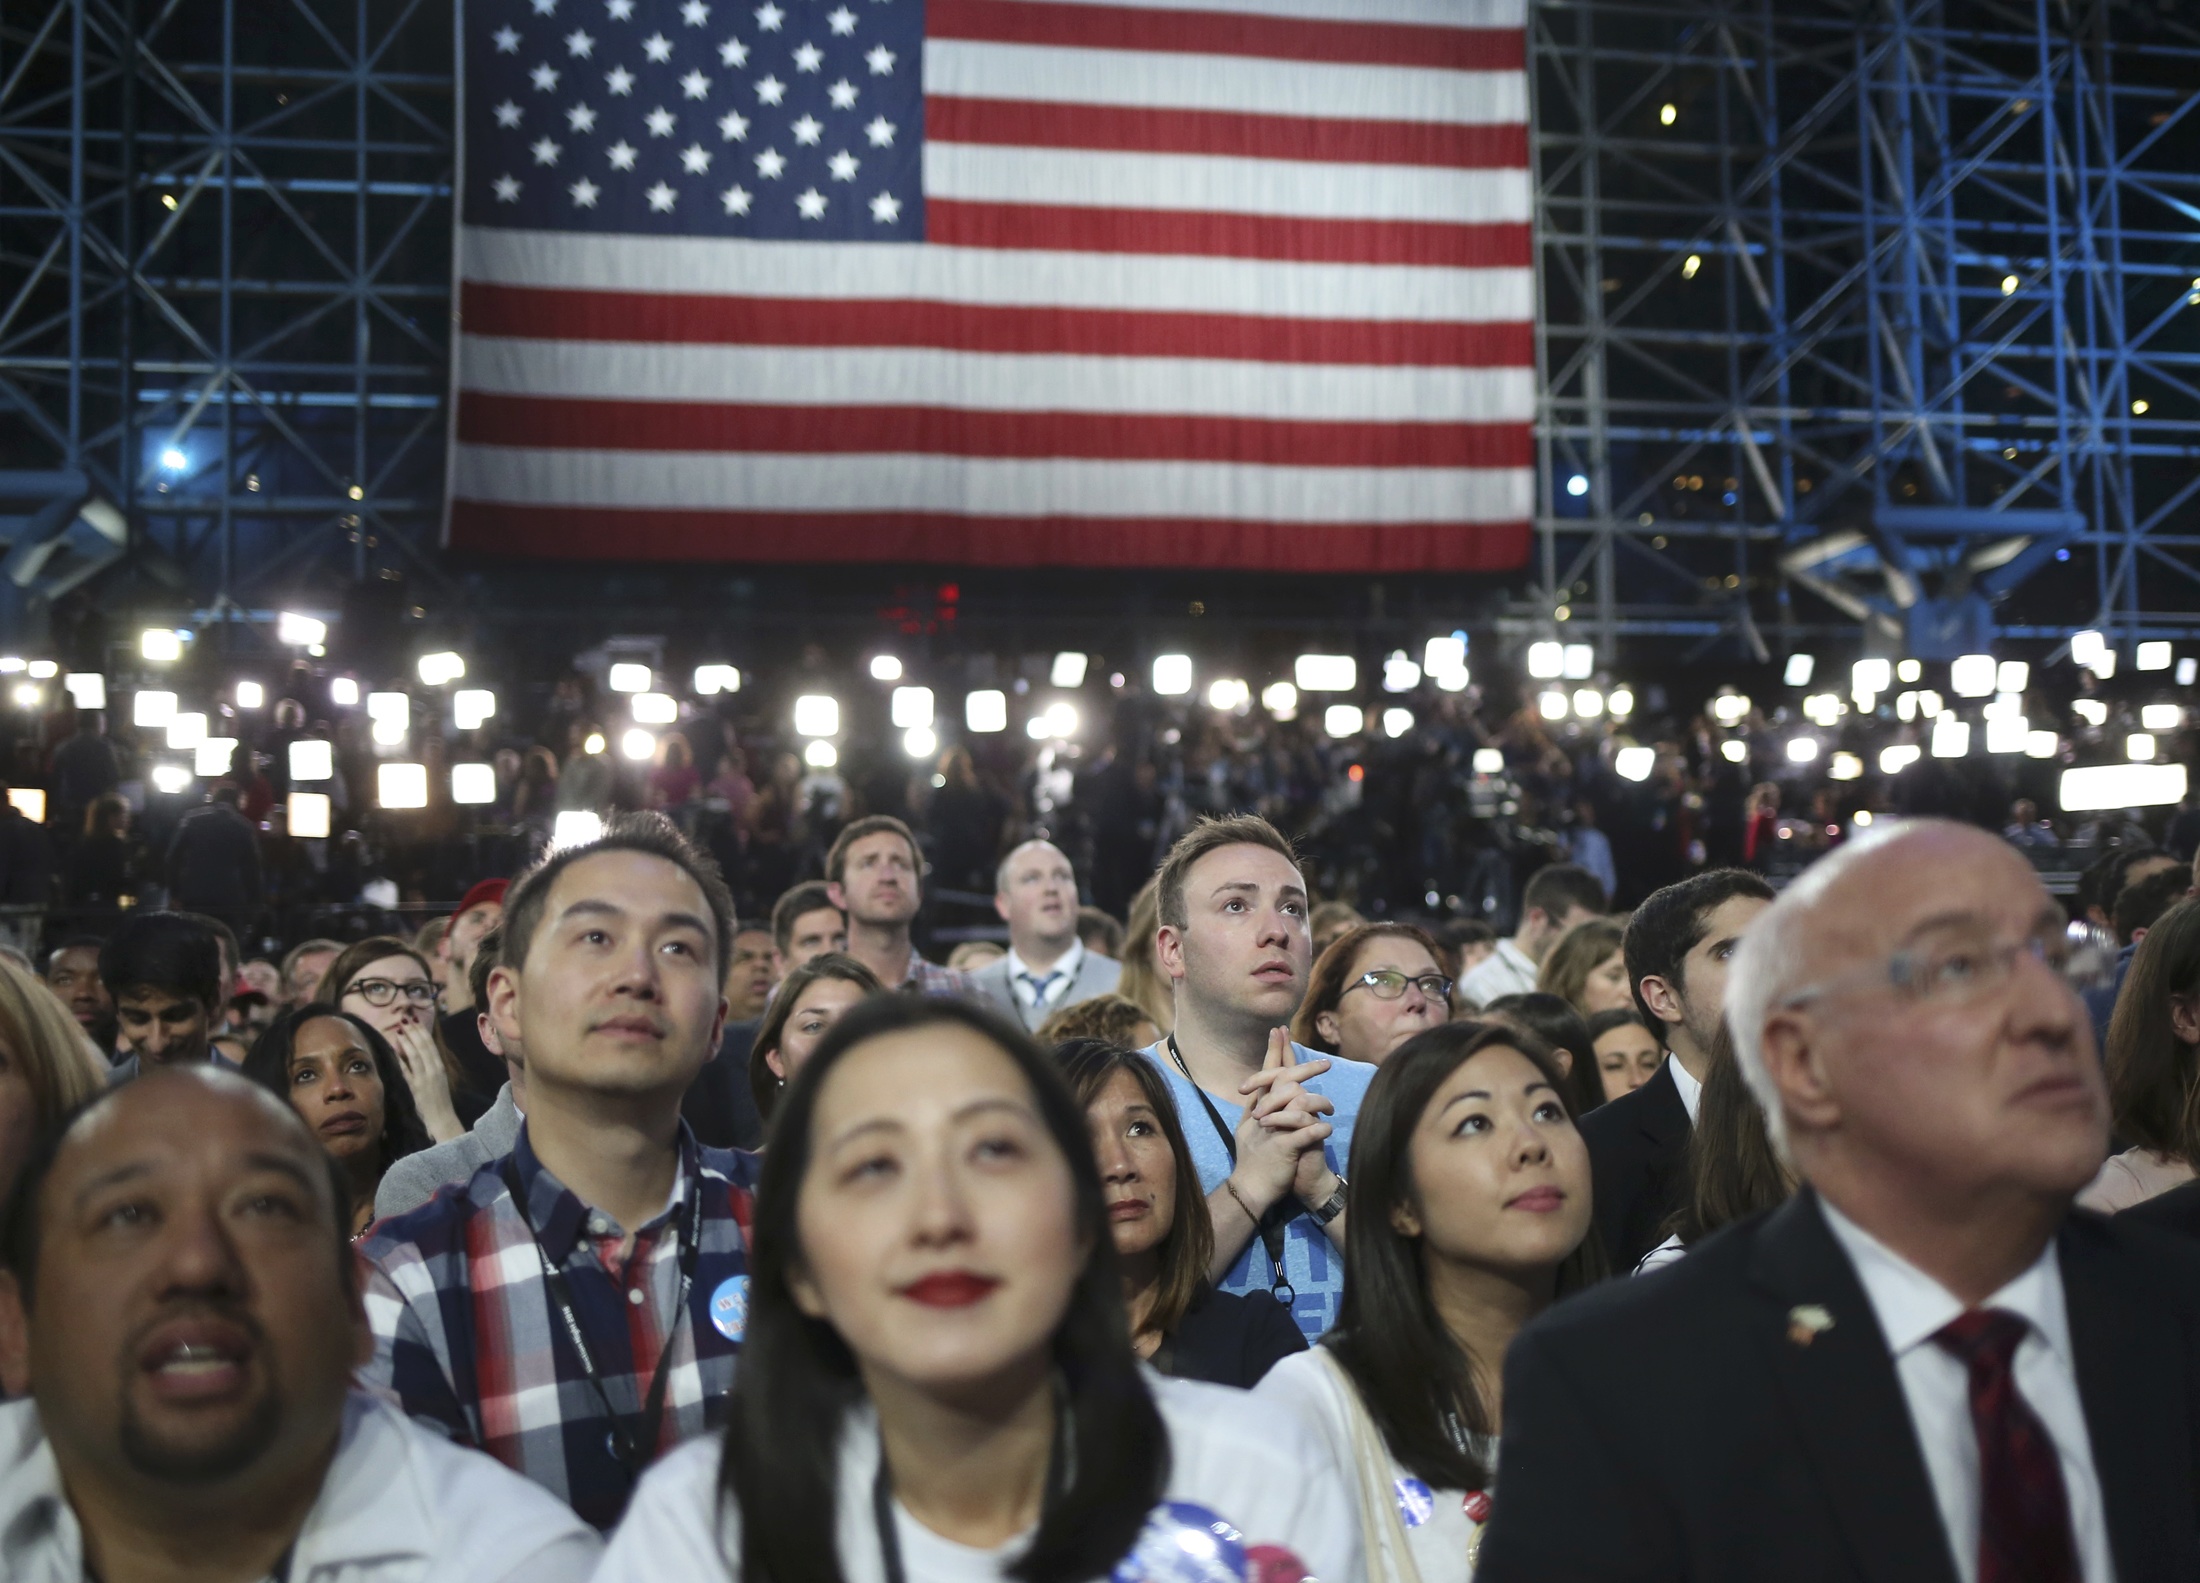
[179,1303]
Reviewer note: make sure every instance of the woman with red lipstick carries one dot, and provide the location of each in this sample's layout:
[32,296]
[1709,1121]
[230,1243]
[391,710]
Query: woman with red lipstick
[343,1080]
[936,1382]
[1163,1238]
[1470,1188]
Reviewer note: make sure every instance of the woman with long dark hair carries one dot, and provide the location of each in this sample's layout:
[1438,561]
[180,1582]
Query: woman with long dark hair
[1565,1038]
[1470,1214]
[343,1079]
[1733,1169]
[1163,1237]
[2152,1047]
[936,1381]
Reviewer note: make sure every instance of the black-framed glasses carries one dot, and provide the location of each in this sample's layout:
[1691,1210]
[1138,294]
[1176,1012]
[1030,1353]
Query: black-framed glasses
[1960,963]
[380,992]
[1387,983]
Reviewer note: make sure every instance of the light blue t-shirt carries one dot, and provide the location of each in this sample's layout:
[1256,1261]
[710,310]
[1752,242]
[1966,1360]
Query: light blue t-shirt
[1310,1261]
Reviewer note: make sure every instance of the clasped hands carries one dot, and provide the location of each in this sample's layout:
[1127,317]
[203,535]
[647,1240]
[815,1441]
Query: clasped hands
[1280,1136]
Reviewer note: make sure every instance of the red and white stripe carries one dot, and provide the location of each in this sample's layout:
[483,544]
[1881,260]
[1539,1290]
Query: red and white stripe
[1233,283]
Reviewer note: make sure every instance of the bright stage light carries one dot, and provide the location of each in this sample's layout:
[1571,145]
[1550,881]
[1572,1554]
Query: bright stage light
[713,679]
[986,710]
[160,645]
[912,707]
[251,695]
[1069,669]
[1799,669]
[2041,744]
[300,632]
[2139,747]
[170,778]
[1551,705]
[1172,675]
[638,745]
[473,784]
[2012,676]
[1400,674]
[576,827]
[1397,722]
[1894,760]
[1951,737]
[1971,675]
[1844,767]
[29,801]
[215,756]
[1326,673]
[1802,750]
[1489,761]
[307,816]
[343,690]
[1231,692]
[1734,750]
[1578,662]
[1280,699]
[816,715]
[1634,763]
[312,760]
[473,707]
[628,677]
[402,785]
[1546,661]
[920,742]
[2116,786]
[2152,656]
[821,755]
[437,670]
[1621,703]
[2008,734]
[885,668]
[2161,717]
[655,709]
[1870,676]
[1344,720]
[187,731]
[2091,710]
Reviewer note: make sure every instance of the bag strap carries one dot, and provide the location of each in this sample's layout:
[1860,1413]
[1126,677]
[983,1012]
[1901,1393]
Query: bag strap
[1378,1500]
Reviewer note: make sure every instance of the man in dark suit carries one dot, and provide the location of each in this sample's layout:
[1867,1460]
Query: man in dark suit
[1925,1365]
[1677,947]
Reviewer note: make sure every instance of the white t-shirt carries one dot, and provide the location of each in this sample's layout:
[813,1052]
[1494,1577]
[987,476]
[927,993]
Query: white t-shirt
[1251,1464]
[1437,1528]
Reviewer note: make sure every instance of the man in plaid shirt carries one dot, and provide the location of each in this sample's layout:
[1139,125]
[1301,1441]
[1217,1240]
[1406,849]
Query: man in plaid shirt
[537,1312]
[875,875]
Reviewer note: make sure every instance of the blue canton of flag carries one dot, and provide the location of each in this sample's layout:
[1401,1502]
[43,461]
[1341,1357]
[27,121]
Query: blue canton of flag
[781,121]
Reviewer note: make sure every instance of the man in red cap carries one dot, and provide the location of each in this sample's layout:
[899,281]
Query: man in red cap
[479,911]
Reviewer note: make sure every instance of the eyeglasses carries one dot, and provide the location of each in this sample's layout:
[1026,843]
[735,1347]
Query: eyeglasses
[379,992]
[1386,983]
[1961,964]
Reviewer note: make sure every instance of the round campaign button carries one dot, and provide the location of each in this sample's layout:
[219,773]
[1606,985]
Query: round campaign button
[1184,1543]
[729,1307]
[1416,1501]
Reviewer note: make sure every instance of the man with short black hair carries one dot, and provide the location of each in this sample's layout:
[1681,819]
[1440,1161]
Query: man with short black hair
[179,1321]
[1235,945]
[608,1222]
[1677,947]
[165,971]
[1047,967]
[72,973]
[806,923]
[749,974]
[875,874]
[1557,897]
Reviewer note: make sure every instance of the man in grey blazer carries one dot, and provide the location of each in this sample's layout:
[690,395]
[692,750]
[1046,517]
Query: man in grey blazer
[1047,966]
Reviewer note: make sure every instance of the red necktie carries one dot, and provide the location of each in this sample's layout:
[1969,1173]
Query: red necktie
[2024,1513]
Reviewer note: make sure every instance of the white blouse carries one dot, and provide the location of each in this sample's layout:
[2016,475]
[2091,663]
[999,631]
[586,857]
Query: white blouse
[1253,1466]
[1438,1532]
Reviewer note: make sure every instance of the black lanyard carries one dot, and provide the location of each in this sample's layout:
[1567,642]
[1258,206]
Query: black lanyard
[631,1452]
[1270,1225]
[882,1490]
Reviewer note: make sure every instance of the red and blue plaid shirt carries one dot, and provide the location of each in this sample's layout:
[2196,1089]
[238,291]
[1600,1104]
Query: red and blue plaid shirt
[468,1340]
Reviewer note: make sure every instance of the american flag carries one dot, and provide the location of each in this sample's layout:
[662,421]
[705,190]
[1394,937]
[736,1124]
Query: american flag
[1235,283]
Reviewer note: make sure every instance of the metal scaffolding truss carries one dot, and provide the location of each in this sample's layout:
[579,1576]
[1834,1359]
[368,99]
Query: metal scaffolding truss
[1878,314]
[224,292]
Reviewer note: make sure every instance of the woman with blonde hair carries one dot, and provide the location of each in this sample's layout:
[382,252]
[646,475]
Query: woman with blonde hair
[1143,981]
[47,1066]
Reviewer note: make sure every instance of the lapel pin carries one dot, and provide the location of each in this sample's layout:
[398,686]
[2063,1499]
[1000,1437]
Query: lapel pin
[1807,1322]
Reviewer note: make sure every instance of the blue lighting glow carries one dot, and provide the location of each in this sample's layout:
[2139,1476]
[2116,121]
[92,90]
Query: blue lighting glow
[174,460]
[1578,485]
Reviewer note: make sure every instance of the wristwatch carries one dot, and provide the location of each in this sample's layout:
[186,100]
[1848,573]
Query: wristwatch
[1332,1207]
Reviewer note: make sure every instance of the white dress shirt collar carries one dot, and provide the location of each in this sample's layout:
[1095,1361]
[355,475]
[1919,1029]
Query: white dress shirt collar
[1913,1307]
[1066,966]
[1691,1091]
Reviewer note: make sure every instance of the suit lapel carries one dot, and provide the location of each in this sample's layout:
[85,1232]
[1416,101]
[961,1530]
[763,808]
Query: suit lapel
[1664,1118]
[2134,1380]
[1847,1403]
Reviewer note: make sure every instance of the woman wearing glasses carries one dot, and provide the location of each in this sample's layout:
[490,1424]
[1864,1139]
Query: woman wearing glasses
[1372,990]
[386,984]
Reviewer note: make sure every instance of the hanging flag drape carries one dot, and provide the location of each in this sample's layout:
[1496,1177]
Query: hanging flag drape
[1240,283]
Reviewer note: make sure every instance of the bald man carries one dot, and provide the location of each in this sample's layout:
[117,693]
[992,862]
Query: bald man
[1047,966]
[180,1316]
[1925,1365]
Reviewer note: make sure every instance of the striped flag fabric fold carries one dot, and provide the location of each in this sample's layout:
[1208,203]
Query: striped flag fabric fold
[1223,283]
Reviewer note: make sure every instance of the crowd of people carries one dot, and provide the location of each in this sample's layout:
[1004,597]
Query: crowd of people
[605,1226]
